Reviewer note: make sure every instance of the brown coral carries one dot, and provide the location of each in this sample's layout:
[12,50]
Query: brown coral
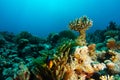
[92,47]
[111,43]
[81,25]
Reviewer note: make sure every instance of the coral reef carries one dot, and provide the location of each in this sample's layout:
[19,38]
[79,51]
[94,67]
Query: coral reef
[60,56]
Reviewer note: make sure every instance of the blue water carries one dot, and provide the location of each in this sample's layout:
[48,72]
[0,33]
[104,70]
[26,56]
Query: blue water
[41,17]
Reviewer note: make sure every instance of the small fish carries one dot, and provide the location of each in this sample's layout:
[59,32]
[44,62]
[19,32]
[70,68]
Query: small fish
[49,62]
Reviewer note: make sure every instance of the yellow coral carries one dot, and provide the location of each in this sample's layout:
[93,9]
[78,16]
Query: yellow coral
[81,25]
[106,77]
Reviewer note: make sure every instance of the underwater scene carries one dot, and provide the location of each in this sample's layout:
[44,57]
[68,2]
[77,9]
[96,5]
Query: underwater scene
[59,40]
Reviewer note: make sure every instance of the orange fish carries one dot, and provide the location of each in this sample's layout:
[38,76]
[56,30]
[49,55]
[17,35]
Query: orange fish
[50,64]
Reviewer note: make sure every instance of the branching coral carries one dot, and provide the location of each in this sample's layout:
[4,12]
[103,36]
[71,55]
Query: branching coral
[81,25]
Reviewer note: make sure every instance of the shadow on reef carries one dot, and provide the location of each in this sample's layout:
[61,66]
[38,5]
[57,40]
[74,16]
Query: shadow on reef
[63,55]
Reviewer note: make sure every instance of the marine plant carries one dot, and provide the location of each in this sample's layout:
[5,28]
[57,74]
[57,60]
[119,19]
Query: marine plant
[62,57]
